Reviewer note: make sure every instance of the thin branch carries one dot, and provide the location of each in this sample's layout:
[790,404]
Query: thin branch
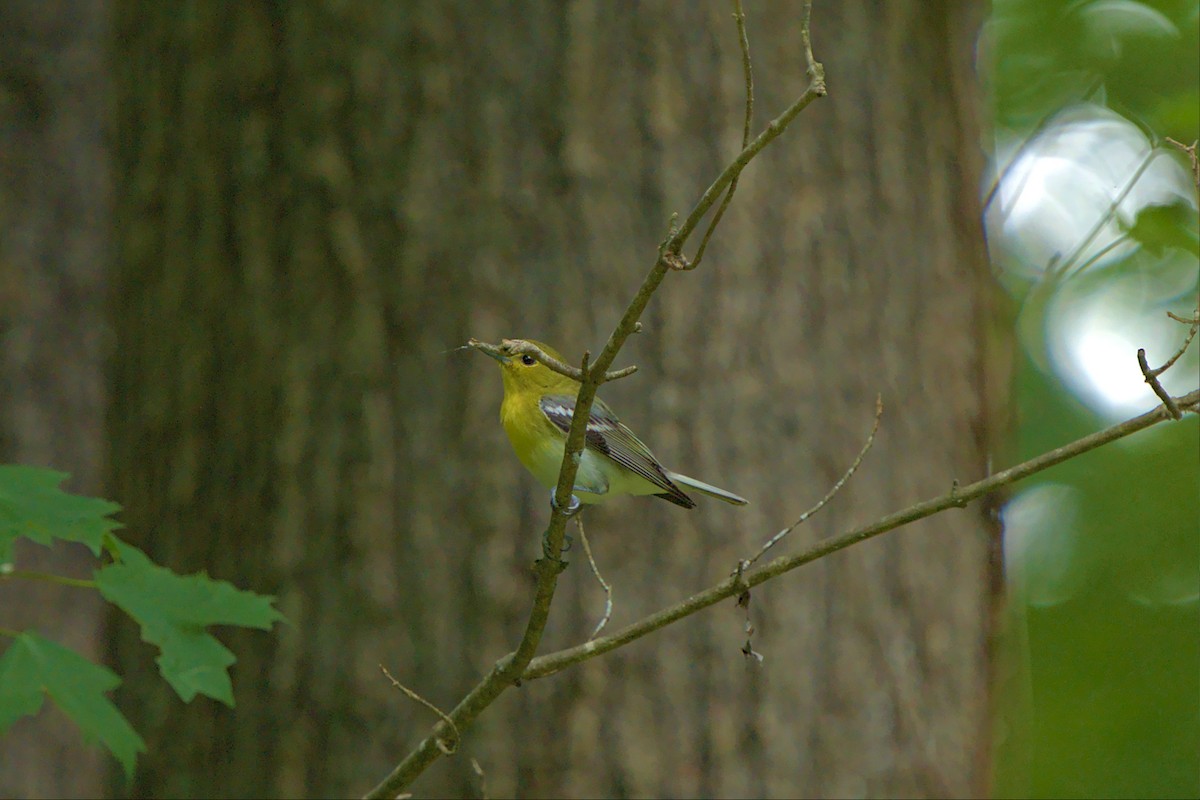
[814,70]
[608,593]
[1194,322]
[1193,157]
[1104,218]
[447,746]
[837,487]
[669,257]
[739,17]
[478,770]
[1151,375]
[732,586]
[816,88]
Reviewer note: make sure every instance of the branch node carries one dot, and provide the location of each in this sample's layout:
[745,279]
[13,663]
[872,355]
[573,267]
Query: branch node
[676,261]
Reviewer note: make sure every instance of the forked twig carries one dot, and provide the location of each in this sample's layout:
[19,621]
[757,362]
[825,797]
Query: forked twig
[1151,375]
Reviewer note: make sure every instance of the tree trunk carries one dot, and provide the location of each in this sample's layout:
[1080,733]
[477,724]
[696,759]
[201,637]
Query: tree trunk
[318,201]
[54,239]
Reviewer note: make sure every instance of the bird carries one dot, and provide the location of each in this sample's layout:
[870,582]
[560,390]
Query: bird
[536,413]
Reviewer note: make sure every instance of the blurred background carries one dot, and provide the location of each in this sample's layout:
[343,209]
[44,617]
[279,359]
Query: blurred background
[1092,227]
[239,242]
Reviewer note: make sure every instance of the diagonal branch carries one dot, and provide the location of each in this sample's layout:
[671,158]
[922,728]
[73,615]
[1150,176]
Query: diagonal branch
[739,16]
[956,498]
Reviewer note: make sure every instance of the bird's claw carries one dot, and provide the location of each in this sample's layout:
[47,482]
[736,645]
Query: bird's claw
[571,510]
[572,507]
[547,550]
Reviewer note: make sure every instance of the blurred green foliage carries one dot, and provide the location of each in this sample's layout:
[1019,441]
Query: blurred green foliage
[1098,691]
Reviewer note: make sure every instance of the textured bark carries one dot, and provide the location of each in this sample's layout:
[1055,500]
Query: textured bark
[318,200]
[54,238]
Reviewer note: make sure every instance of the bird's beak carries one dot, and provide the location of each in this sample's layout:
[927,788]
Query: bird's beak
[488,350]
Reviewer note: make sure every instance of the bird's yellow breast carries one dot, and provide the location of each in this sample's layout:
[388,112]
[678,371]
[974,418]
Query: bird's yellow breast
[537,442]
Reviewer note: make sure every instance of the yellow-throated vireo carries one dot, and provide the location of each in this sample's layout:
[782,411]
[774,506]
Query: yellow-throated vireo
[536,412]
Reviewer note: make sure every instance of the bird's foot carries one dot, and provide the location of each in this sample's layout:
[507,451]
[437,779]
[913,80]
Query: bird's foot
[572,507]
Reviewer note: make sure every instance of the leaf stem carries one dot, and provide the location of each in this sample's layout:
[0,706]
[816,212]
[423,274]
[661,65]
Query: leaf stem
[49,577]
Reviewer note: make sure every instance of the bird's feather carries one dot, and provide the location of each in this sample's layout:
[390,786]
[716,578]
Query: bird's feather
[607,436]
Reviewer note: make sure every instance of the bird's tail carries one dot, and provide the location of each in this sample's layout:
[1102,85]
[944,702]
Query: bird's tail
[707,488]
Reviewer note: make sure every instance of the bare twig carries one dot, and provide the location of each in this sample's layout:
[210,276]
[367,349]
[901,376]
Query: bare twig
[446,745]
[1193,157]
[739,17]
[746,563]
[735,585]
[608,594]
[1069,262]
[478,770]
[816,88]
[812,68]
[1151,375]
[837,487]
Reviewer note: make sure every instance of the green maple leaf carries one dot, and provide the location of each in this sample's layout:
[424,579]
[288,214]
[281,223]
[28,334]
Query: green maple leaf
[33,666]
[32,505]
[174,611]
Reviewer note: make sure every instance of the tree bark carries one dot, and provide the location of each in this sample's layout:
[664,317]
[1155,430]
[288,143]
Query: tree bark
[318,201]
[54,244]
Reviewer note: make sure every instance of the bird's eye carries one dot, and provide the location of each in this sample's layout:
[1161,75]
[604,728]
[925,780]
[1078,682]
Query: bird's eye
[528,360]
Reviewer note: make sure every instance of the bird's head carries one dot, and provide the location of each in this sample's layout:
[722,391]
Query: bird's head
[522,371]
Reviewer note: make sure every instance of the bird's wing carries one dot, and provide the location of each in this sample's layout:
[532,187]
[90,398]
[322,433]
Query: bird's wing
[607,436]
